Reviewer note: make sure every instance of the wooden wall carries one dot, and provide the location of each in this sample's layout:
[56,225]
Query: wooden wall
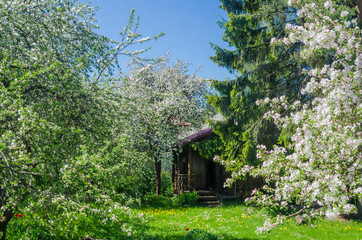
[205,174]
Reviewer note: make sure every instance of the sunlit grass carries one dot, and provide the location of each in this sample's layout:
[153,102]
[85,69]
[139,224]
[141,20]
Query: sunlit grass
[236,221]
[231,221]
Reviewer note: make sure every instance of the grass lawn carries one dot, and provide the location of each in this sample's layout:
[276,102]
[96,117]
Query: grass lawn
[230,221]
[236,221]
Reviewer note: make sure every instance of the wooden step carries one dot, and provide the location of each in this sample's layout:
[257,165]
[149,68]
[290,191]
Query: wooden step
[210,203]
[206,193]
[208,198]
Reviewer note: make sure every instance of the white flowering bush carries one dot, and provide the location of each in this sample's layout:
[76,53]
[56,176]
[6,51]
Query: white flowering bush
[321,169]
[58,113]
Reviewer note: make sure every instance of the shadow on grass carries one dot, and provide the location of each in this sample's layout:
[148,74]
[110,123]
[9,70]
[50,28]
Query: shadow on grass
[351,217]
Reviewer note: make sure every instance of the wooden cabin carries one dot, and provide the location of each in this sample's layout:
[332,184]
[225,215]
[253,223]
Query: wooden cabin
[191,171]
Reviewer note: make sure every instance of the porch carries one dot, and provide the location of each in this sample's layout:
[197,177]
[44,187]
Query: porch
[191,171]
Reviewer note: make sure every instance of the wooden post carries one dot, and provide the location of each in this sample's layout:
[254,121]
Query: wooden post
[217,176]
[189,168]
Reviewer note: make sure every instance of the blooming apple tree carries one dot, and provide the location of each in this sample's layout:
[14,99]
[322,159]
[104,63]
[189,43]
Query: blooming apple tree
[163,101]
[56,112]
[321,169]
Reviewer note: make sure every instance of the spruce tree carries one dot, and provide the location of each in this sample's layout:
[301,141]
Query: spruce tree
[263,71]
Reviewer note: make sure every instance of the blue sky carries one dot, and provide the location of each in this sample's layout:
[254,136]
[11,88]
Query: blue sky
[189,26]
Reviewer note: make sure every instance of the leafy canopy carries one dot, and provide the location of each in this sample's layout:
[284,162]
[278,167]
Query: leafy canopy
[59,113]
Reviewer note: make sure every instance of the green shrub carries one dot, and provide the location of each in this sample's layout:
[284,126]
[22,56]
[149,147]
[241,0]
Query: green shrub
[166,183]
[159,201]
[188,198]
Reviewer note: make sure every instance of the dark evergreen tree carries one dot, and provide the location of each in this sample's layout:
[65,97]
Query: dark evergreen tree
[262,70]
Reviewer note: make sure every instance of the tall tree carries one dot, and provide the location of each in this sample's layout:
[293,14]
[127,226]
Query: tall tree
[161,97]
[54,116]
[263,71]
[323,172]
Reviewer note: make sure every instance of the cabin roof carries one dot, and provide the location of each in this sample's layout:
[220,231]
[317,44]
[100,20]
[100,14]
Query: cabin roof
[204,134]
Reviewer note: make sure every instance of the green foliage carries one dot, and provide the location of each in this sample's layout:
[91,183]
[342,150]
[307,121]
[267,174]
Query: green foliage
[286,136]
[166,183]
[129,182]
[188,198]
[263,71]
[200,235]
[77,134]
[62,143]
[79,227]
[157,97]
[208,149]
[159,201]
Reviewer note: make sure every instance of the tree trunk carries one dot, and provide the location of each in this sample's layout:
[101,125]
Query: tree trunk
[157,176]
[4,220]
[359,206]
